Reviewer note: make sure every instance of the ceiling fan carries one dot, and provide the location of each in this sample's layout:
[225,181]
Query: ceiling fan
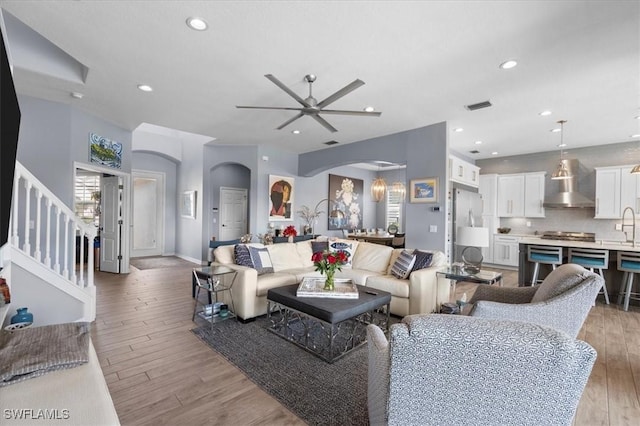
[311,106]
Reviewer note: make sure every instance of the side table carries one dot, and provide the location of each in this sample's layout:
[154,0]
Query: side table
[211,279]
[456,273]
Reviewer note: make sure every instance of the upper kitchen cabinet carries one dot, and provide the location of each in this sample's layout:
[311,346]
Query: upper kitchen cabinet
[616,188]
[463,172]
[521,195]
[488,190]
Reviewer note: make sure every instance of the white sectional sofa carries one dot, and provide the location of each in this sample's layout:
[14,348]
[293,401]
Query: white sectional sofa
[371,266]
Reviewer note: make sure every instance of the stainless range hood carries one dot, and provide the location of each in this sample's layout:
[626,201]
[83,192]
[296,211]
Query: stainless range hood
[569,197]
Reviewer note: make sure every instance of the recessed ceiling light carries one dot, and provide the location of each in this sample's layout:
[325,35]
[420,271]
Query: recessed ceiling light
[77,95]
[494,153]
[145,87]
[295,132]
[638,117]
[637,135]
[508,64]
[458,129]
[478,142]
[369,109]
[197,24]
[545,113]
[562,145]
[555,130]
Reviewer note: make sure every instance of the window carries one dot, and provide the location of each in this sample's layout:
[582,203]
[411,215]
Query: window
[87,197]
[394,209]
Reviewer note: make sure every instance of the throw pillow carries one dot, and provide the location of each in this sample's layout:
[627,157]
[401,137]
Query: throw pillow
[346,245]
[242,256]
[403,265]
[423,260]
[261,260]
[317,246]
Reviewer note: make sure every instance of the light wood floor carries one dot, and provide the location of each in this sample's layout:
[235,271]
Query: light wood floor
[158,372]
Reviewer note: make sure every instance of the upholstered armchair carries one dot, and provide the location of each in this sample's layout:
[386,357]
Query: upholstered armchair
[458,370]
[561,301]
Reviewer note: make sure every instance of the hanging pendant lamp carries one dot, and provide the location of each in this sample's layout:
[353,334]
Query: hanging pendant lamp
[378,188]
[561,172]
[400,189]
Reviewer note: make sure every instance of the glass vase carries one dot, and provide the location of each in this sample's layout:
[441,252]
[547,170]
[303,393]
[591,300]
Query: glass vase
[329,283]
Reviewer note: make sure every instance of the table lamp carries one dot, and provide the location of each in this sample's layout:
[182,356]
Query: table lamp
[473,238]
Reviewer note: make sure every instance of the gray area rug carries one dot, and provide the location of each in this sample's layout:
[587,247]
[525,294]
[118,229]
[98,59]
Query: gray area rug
[157,262]
[317,392]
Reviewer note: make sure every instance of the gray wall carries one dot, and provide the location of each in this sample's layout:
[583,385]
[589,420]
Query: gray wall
[191,178]
[157,163]
[227,175]
[579,220]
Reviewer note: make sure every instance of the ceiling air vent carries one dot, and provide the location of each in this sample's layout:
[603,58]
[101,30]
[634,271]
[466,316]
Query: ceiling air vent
[479,105]
[332,143]
[474,151]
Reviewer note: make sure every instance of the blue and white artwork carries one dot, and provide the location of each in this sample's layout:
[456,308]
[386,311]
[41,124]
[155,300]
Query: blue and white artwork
[104,151]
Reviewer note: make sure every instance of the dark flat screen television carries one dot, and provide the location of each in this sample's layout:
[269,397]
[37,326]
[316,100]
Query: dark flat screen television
[9,128]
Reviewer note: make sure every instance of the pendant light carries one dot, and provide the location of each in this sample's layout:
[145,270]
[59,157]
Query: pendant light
[561,172]
[378,188]
[636,168]
[400,189]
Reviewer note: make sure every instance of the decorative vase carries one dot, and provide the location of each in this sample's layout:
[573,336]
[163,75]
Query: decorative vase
[22,316]
[290,238]
[329,284]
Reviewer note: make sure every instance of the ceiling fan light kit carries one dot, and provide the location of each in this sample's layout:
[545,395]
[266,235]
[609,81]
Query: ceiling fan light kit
[311,107]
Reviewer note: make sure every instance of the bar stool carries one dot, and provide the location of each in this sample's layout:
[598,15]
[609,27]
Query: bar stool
[547,255]
[629,263]
[592,259]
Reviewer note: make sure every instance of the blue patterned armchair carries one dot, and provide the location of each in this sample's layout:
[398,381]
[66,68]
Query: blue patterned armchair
[460,370]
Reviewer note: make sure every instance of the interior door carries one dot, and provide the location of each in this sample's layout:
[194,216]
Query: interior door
[110,227]
[148,214]
[233,213]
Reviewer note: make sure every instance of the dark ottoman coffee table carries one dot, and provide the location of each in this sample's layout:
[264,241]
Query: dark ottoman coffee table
[327,327]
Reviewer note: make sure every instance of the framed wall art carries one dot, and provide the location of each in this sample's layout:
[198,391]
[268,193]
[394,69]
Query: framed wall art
[424,190]
[105,152]
[281,190]
[345,202]
[188,204]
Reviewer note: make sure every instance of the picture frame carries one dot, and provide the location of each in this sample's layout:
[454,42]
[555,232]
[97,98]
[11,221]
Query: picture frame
[345,203]
[424,190]
[105,152]
[188,204]
[281,198]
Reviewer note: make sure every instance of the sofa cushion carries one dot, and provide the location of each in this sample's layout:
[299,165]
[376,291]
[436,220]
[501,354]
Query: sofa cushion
[403,265]
[223,254]
[423,259]
[358,276]
[242,255]
[349,246]
[277,279]
[372,257]
[284,256]
[261,260]
[304,253]
[395,286]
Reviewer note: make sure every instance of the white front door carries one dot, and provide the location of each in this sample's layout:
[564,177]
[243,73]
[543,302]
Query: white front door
[233,213]
[111,221]
[148,214]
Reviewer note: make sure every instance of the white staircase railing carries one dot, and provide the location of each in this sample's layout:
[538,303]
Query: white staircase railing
[47,230]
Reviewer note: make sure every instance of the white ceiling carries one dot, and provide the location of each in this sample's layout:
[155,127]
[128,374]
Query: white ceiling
[422,61]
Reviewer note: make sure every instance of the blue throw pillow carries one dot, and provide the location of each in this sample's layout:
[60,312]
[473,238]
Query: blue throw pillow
[242,256]
[319,246]
[423,259]
[261,260]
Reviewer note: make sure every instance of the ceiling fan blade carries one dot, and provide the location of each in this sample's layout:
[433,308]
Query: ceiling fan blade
[286,89]
[261,107]
[324,122]
[360,113]
[286,123]
[340,93]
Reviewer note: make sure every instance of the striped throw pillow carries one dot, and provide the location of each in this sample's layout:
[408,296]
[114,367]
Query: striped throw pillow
[403,265]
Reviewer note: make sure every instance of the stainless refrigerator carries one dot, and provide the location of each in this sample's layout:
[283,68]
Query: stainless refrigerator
[466,210]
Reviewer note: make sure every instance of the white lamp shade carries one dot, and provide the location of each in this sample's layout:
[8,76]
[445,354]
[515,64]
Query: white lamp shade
[472,236]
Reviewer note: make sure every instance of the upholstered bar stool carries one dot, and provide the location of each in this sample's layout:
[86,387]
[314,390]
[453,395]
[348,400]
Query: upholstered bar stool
[592,259]
[629,263]
[547,255]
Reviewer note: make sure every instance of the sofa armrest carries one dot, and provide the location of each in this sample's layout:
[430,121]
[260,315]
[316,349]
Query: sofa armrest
[426,290]
[244,290]
[378,375]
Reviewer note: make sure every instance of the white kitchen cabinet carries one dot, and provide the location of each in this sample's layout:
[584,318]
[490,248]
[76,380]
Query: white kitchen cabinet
[488,190]
[629,190]
[463,172]
[510,196]
[505,250]
[534,194]
[608,190]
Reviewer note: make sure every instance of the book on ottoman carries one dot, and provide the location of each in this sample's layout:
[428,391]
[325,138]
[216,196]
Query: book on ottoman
[313,287]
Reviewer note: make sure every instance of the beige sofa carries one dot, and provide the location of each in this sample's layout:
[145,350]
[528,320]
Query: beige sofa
[371,266]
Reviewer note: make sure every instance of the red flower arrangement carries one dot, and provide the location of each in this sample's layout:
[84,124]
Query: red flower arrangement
[290,231]
[328,262]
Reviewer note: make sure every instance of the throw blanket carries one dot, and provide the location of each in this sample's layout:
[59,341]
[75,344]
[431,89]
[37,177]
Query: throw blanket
[32,352]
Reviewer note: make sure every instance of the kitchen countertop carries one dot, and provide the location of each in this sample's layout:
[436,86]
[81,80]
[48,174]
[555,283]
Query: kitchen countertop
[602,244]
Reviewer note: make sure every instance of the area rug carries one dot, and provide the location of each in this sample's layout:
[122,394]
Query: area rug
[156,262]
[317,392]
